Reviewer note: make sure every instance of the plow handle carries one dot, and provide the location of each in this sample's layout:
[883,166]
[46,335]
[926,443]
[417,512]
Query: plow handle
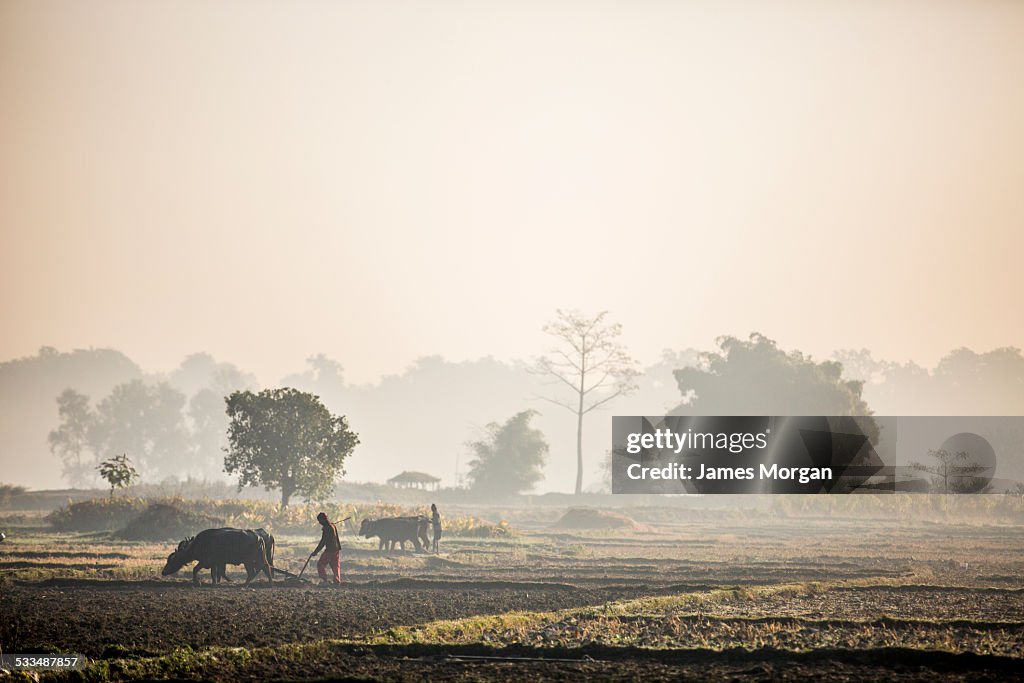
[305,565]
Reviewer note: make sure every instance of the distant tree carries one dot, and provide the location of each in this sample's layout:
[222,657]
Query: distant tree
[325,369]
[590,366]
[756,377]
[860,365]
[509,459]
[200,371]
[209,422]
[286,439]
[206,381]
[607,468]
[324,377]
[8,492]
[71,440]
[951,472]
[147,421]
[118,472]
[964,382]
[28,388]
[974,383]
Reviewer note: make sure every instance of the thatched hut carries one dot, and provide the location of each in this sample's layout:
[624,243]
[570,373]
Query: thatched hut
[415,480]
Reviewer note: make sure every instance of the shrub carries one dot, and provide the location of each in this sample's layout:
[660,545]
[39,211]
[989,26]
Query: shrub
[591,518]
[8,492]
[181,515]
[96,514]
[166,522]
[471,527]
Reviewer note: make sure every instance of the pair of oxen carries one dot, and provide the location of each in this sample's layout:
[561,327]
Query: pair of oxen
[214,549]
[396,531]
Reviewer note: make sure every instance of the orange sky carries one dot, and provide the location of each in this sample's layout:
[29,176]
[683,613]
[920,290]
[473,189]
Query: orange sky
[380,181]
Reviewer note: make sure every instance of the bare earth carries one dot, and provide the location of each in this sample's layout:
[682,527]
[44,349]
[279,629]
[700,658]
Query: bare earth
[768,599]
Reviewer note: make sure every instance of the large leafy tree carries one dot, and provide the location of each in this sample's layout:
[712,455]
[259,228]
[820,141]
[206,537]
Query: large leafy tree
[286,439]
[756,377]
[588,367]
[509,458]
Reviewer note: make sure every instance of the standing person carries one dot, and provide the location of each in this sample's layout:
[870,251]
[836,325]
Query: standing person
[435,521]
[331,545]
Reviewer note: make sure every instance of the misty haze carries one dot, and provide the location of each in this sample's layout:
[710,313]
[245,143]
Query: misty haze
[331,332]
[423,418]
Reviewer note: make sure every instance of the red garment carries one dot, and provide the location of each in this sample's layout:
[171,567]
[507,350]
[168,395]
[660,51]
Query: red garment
[332,559]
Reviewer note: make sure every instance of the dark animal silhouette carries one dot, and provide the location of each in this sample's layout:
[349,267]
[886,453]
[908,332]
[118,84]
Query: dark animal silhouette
[220,571]
[392,530]
[214,548]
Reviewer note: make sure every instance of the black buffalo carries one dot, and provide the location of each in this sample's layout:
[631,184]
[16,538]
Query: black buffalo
[392,530]
[220,571]
[214,548]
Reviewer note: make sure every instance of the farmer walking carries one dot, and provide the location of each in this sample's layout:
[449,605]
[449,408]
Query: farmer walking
[331,545]
[435,521]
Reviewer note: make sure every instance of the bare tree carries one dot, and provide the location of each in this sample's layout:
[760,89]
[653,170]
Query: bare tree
[590,364]
[953,472]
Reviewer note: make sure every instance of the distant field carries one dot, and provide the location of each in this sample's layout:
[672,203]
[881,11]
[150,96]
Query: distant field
[761,598]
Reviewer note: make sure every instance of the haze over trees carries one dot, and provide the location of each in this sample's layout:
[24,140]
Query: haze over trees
[72,440]
[964,382]
[418,418]
[152,421]
[589,367]
[286,439]
[145,421]
[756,377]
[510,457]
[200,372]
[142,420]
[29,388]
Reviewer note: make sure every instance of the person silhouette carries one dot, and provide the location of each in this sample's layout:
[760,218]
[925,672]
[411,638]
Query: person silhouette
[435,521]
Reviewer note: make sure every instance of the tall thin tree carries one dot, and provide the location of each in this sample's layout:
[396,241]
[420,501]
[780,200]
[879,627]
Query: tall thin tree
[591,366]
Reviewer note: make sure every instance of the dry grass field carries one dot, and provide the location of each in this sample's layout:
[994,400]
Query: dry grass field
[702,598]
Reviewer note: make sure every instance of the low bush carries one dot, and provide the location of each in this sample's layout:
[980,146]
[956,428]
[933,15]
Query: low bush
[9,492]
[97,514]
[106,514]
[167,522]
[593,518]
[471,527]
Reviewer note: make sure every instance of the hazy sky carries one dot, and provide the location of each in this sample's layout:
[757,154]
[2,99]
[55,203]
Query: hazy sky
[384,180]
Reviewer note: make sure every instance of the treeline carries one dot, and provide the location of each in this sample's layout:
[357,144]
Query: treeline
[171,426]
[438,416]
[964,382]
